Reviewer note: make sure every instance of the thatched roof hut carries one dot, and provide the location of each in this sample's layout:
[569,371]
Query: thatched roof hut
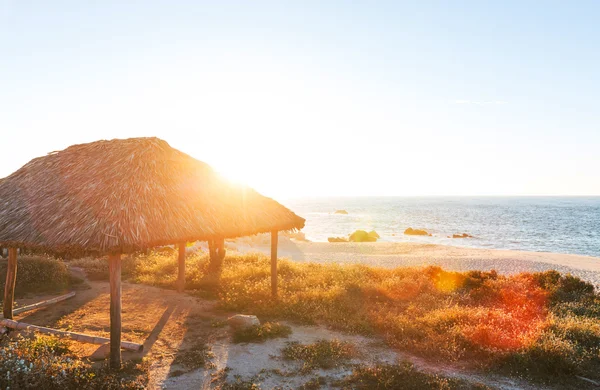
[124,195]
[120,196]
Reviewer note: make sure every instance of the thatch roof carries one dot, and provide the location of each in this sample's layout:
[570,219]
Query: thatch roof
[126,195]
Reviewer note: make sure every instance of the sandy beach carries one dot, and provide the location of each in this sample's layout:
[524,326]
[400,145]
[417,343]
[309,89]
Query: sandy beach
[407,254]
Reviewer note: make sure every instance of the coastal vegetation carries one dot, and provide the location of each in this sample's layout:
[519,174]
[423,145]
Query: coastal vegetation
[323,354]
[401,376]
[262,332]
[543,326]
[45,362]
[539,326]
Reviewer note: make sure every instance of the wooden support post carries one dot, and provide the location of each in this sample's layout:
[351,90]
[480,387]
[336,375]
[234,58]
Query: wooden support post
[181,262]
[212,251]
[216,249]
[115,310]
[9,288]
[274,264]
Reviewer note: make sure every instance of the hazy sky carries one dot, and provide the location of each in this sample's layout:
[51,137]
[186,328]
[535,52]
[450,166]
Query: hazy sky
[320,97]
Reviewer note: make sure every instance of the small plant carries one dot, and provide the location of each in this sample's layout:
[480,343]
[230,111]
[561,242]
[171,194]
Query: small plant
[314,383]
[403,376]
[43,344]
[323,354]
[217,323]
[198,356]
[260,333]
[240,384]
[46,362]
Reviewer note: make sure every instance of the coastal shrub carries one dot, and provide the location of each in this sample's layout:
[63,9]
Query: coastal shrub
[37,274]
[477,316]
[45,362]
[563,288]
[260,333]
[324,354]
[197,356]
[401,376]
[533,324]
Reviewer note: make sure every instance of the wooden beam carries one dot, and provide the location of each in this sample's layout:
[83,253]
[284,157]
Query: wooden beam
[181,262]
[44,303]
[11,279]
[274,264]
[84,338]
[114,267]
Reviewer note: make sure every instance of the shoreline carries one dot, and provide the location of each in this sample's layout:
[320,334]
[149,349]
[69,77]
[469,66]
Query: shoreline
[453,258]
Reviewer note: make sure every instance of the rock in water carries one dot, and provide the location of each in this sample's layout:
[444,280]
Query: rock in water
[362,236]
[373,234]
[341,212]
[464,235]
[416,232]
[242,321]
[337,239]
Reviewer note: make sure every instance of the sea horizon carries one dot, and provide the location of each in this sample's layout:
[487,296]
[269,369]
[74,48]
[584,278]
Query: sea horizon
[557,224]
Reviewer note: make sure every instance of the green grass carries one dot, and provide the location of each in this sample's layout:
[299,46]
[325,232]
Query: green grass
[324,354]
[542,325]
[260,333]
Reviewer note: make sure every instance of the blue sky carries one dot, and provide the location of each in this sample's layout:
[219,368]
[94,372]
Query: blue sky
[317,98]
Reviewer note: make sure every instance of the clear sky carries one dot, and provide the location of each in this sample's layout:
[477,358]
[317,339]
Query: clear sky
[317,97]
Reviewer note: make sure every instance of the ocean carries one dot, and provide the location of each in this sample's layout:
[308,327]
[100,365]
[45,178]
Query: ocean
[568,225]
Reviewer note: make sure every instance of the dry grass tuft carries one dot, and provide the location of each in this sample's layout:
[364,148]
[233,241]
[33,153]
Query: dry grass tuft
[403,376]
[324,354]
[260,333]
[197,356]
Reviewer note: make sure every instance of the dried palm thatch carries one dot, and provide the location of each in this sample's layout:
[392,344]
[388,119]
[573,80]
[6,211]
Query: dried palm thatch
[127,195]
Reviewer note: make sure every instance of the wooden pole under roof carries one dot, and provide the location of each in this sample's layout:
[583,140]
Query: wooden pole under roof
[181,264]
[114,266]
[9,288]
[274,264]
